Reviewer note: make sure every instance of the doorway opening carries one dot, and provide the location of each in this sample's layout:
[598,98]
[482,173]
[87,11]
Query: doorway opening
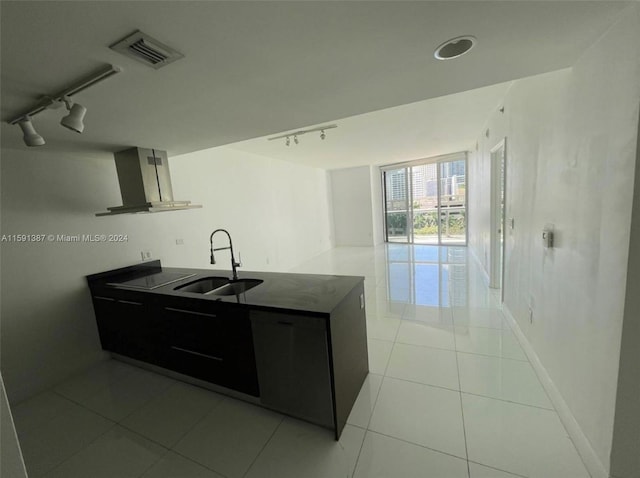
[498,219]
[425,201]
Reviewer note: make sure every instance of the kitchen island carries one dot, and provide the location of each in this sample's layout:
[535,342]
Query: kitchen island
[295,343]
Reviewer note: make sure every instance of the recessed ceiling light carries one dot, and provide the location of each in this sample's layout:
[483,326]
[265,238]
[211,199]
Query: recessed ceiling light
[455,47]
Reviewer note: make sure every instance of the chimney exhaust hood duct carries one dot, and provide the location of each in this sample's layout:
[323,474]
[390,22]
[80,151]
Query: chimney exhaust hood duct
[145,183]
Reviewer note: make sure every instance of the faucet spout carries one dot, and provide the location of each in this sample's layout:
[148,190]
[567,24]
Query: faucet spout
[234,264]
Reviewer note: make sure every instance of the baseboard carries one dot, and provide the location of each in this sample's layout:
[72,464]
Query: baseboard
[485,274]
[593,464]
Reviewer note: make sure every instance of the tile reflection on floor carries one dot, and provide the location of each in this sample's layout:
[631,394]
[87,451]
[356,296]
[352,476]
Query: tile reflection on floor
[450,394]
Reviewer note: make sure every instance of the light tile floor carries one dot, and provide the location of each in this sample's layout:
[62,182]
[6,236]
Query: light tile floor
[450,394]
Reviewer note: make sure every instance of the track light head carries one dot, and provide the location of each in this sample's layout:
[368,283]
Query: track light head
[300,132]
[30,135]
[73,120]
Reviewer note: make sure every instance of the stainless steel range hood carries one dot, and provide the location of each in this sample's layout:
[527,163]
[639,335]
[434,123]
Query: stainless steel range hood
[145,183]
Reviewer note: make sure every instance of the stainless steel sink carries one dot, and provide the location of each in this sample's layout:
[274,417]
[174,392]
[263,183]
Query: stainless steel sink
[203,286]
[219,286]
[237,287]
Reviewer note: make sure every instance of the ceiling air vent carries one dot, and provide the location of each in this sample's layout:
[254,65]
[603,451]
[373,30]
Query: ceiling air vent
[146,49]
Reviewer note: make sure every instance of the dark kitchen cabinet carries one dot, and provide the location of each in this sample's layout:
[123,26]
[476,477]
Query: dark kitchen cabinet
[212,342]
[297,342]
[201,339]
[127,326]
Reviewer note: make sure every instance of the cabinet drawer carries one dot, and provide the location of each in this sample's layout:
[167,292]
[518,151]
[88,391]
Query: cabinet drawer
[215,345]
[202,332]
[195,363]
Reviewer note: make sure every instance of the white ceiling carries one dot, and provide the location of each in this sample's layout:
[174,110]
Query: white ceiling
[258,68]
[418,130]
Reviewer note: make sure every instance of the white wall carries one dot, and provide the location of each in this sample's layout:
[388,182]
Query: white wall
[625,455]
[277,213]
[570,162]
[377,205]
[351,191]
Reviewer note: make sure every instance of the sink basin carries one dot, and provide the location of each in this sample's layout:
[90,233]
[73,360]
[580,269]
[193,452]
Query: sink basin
[204,285]
[219,286]
[237,287]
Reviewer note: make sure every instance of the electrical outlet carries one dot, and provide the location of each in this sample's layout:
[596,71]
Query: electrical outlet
[531,315]
[146,255]
[179,242]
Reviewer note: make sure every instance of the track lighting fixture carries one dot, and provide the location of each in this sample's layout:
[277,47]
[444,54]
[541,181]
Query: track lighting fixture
[31,137]
[73,120]
[295,134]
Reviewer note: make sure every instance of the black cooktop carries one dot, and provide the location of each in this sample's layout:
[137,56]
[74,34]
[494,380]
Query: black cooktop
[153,281]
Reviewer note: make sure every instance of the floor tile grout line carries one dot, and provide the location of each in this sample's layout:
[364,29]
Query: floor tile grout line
[422,383]
[458,351]
[375,402]
[50,419]
[119,424]
[389,359]
[464,428]
[126,416]
[441,387]
[518,475]
[135,432]
[357,426]
[141,475]
[82,405]
[435,450]
[264,446]
[182,455]
[132,371]
[508,401]
[465,392]
[492,356]
[364,437]
[509,326]
[91,442]
[200,419]
[154,397]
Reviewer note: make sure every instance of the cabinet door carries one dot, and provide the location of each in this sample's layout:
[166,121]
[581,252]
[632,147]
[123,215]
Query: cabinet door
[293,365]
[127,326]
[212,344]
[105,308]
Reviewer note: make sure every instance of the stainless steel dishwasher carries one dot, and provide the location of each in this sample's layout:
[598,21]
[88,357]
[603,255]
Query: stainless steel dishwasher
[292,360]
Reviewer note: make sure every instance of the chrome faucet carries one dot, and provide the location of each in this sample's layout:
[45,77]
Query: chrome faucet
[234,264]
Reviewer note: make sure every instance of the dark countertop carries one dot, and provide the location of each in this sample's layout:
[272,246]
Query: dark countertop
[286,292]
